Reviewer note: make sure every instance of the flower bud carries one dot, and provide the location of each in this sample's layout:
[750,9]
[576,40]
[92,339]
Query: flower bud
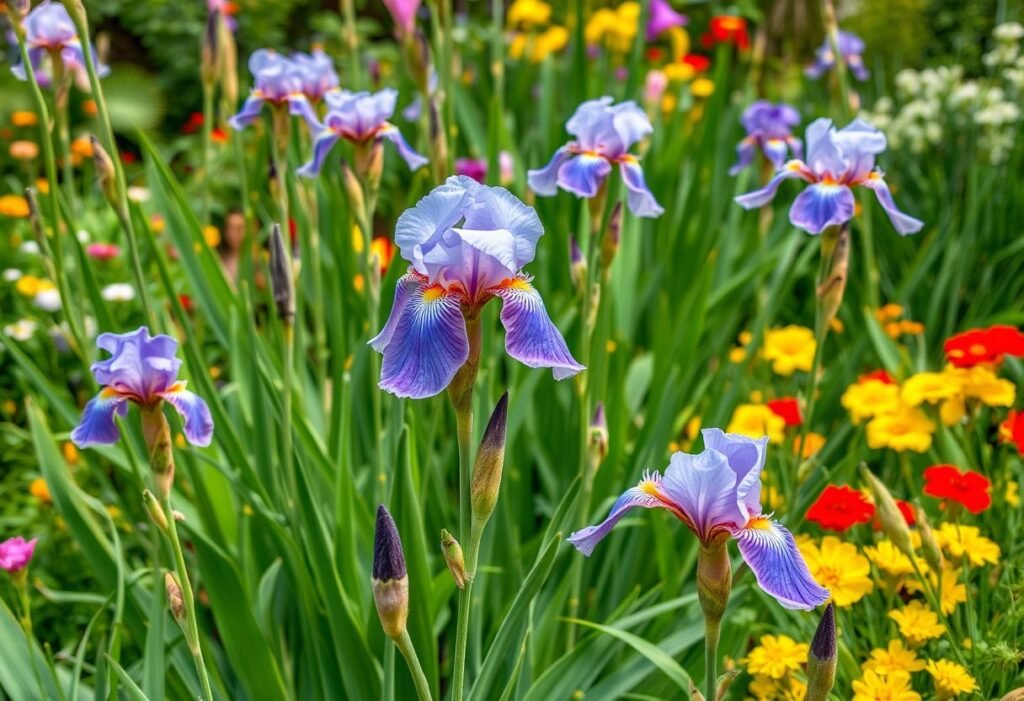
[369,163]
[227,63]
[610,242]
[453,556]
[490,460]
[714,582]
[390,581]
[439,140]
[577,265]
[724,682]
[354,191]
[175,597]
[104,171]
[1015,695]
[598,437]
[893,524]
[929,546]
[209,54]
[282,283]
[157,434]
[835,250]
[156,512]
[822,658]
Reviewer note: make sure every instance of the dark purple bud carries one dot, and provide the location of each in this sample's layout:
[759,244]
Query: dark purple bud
[490,461]
[388,559]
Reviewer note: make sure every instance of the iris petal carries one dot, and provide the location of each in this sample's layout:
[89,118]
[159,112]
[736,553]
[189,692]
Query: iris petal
[544,181]
[759,198]
[744,155]
[412,159]
[583,174]
[904,223]
[586,539]
[247,115]
[530,336]
[322,146]
[821,206]
[97,426]
[195,412]
[771,553]
[641,199]
[704,489]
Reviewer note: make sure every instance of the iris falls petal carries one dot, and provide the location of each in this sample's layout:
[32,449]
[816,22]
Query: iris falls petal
[771,553]
[530,336]
[641,200]
[194,411]
[643,495]
[97,426]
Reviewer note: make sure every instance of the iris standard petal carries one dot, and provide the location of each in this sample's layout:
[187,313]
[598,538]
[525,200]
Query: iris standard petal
[643,495]
[322,145]
[194,411]
[744,155]
[139,365]
[583,175]
[903,223]
[776,151]
[412,159]
[544,181]
[496,208]
[759,198]
[631,124]
[530,335]
[421,226]
[247,115]
[823,155]
[640,198]
[746,458]
[97,426]
[704,489]
[820,206]
[771,553]
[428,345]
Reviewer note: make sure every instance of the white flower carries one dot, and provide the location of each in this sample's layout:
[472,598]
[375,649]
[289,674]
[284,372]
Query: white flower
[1008,31]
[137,193]
[118,292]
[22,330]
[48,300]
[83,236]
[30,247]
[12,275]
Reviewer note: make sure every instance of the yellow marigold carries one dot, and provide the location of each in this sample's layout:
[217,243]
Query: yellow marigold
[703,87]
[931,387]
[789,349]
[953,411]
[40,491]
[950,679]
[22,150]
[551,41]
[895,658]
[24,119]
[889,559]
[14,206]
[616,28]
[529,13]
[960,540]
[81,147]
[892,687]
[888,312]
[907,428]
[917,623]
[776,656]
[980,382]
[870,398]
[838,567]
[757,420]
[764,688]
[912,328]
[953,592]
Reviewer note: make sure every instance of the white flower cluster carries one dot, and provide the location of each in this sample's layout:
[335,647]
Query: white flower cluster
[939,103]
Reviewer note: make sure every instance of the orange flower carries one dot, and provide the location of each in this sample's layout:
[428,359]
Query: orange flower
[24,119]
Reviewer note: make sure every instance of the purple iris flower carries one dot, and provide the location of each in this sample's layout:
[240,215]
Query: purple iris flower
[604,133]
[662,18]
[359,117]
[836,161]
[717,494]
[50,31]
[298,81]
[143,370]
[467,243]
[851,47]
[769,127]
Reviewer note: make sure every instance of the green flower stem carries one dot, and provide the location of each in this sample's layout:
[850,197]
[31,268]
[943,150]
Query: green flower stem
[351,42]
[419,679]
[286,410]
[207,139]
[61,88]
[712,635]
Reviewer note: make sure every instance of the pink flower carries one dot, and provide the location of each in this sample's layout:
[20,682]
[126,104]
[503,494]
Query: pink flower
[103,251]
[15,553]
[404,14]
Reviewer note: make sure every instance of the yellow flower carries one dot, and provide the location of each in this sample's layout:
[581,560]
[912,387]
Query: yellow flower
[950,678]
[980,382]
[776,656]
[764,688]
[528,13]
[757,420]
[43,185]
[30,285]
[912,328]
[870,398]
[953,591]
[1012,494]
[678,72]
[14,206]
[23,150]
[70,452]
[888,312]
[838,567]
[893,687]
[616,28]
[551,41]
[40,491]
[889,559]
[931,387]
[702,87]
[907,428]
[895,658]
[212,236]
[81,147]
[789,349]
[811,446]
[917,623]
[24,119]
[959,541]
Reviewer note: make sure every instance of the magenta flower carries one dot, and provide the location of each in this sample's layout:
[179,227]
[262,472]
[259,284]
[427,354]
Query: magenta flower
[717,494]
[467,243]
[662,18]
[103,251]
[49,30]
[143,370]
[403,12]
[16,553]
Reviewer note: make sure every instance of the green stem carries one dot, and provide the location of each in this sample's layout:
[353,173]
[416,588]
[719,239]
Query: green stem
[419,679]
[712,634]
[60,115]
[286,411]
[352,44]
[207,139]
[388,692]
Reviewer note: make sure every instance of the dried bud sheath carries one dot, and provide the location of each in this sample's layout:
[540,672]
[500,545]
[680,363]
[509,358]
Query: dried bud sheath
[104,172]
[390,578]
[281,280]
[175,598]
[822,658]
[597,442]
[610,241]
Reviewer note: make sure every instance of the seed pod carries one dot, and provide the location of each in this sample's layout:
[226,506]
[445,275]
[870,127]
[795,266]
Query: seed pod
[453,557]
[390,580]
[822,658]
[281,280]
[490,460]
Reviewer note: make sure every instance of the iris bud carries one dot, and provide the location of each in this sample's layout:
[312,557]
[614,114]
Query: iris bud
[835,252]
[822,658]
[893,523]
[453,557]
[929,546]
[157,434]
[156,512]
[1015,695]
[175,598]
[610,242]
[354,191]
[209,57]
[714,583]
[390,581]
[490,460]
[282,283]
[598,439]
[577,265]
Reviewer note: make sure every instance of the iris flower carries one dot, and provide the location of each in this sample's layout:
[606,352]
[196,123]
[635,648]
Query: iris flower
[717,494]
[49,30]
[143,370]
[467,243]
[297,81]
[836,162]
[769,127]
[361,118]
[604,133]
[851,47]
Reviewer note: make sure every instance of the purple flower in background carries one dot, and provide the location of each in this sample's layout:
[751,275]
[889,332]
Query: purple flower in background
[836,161]
[359,117]
[476,168]
[50,31]
[297,82]
[403,12]
[604,133]
[143,370]
[662,18]
[16,553]
[769,127]
[851,47]
[717,494]
[466,243]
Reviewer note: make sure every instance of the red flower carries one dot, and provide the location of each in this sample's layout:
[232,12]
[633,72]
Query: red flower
[1012,430]
[971,489]
[186,302]
[218,136]
[908,511]
[727,29]
[655,54]
[839,508]
[697,62]
[127,157]
[989,345]
[788,409]
[195,121]
[880,375]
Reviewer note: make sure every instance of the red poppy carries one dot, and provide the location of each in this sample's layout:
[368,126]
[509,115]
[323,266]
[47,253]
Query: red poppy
[839,508]
[727,29]
[880,375]
[218,136]
[969,488]
[1012,430]
[788,409]
[697,62]
[195,121]
[989,345]
[907,509]
[186,302]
